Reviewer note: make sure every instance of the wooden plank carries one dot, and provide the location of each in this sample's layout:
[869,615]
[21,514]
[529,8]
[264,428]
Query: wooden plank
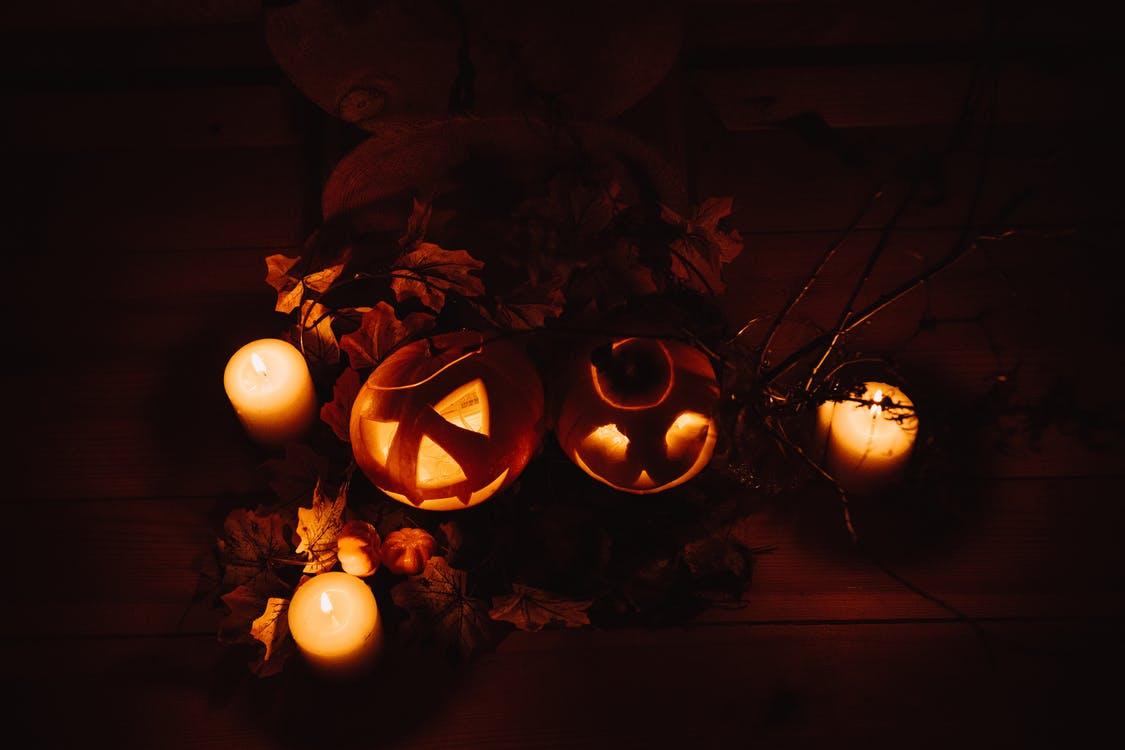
[1003,282]
[128,13]
[873,95]
[69,59]
[809,24]
[922,685]
[1003,549]
[228,117]
[177,200]
[992,549]
[109,202]
[784,181]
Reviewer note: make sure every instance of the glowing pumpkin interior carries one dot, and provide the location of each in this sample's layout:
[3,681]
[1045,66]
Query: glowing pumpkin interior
[642,425]
[466,407]
[448,455]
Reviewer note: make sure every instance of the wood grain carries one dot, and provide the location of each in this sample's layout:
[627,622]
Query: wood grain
[800,28]
[158,156]
[878,685]
[873,95]
[227,117]
[995,549]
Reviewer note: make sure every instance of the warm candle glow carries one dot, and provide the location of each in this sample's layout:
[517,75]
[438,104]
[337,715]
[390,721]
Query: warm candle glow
[269,385]
[865,443]
[335,622]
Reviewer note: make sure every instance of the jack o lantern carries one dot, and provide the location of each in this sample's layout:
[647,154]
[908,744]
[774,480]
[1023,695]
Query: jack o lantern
[448,421]
[637,414]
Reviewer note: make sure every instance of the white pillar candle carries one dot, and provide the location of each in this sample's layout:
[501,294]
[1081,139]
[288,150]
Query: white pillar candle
[269,385]
[865,446]
[335,623]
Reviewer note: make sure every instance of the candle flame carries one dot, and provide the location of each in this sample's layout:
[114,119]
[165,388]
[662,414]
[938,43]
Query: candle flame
[325,603]
[259,364]
[878,399]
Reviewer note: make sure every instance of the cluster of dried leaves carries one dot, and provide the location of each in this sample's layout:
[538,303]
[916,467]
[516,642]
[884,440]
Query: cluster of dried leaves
[578,252]
[541,555]
[523,561]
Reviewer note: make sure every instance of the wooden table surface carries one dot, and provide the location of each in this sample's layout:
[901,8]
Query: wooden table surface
[154,155]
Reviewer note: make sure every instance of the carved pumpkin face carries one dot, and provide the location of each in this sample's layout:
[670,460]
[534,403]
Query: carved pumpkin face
[446,422]
[638,414]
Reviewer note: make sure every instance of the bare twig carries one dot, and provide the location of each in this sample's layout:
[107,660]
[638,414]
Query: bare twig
[829,252]
[868,268]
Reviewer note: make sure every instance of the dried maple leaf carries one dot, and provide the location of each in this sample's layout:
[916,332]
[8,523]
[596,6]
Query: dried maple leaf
[318,527]
[727,551]
[429,272]
[288,287]
[314,336]
[704,246]
[438,600]
[533,609]
[417,225]
[695,269]
[337,413]
[250,544]
[578,206]
[291,289]
[706,222]
[272,629]
[255,616]
[592,207]
[294,477]
[378,331]
[624,258]
[528,307]
[243,605]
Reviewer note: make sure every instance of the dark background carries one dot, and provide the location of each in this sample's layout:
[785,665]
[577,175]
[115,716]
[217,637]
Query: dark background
[154,155]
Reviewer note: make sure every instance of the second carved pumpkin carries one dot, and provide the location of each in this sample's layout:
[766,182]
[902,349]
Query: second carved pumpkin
[638,414]
[446,422]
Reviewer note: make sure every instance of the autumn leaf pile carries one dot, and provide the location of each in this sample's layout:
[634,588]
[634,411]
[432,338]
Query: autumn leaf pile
[555,550]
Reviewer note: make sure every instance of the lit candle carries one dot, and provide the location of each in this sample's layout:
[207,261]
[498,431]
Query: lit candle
[334,620]
[865,446]
[269,385]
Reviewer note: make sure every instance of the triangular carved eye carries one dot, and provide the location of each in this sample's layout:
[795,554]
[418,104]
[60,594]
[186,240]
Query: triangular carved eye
[379,436]
[436,468]
[466,407]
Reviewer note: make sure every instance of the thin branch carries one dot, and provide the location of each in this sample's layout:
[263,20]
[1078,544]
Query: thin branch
[865,276]
[845,506]
[829,252]
[961,247]
[975,626]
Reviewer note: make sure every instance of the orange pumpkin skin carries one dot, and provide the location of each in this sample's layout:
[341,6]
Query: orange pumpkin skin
[357,548]
[407,551]
[446,422]
[638,414]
